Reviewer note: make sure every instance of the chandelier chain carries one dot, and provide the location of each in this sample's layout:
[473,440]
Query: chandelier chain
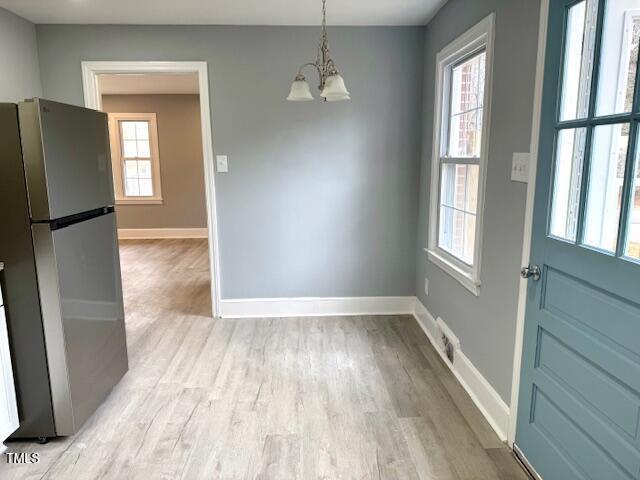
[325,64]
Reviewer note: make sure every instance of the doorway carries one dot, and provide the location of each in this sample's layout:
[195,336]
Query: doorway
[185,77]
[579,393]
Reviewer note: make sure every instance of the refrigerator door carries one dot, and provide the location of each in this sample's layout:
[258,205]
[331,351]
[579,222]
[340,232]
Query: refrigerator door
[67,159]
[83,317]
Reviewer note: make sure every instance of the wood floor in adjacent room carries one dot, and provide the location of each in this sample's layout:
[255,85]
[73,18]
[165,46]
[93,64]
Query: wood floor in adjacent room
[288,398]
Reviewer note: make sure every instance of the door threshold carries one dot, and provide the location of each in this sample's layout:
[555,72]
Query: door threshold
[524,463]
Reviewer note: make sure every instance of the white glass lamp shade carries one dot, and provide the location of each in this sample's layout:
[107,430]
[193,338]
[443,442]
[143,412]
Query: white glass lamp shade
[300,91]
[338,99]
[334,89]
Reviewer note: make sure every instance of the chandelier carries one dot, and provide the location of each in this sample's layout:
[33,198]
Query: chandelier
[332,87]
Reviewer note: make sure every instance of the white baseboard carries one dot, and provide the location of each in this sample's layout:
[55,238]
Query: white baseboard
[316,307]
[490,404]
[159,233]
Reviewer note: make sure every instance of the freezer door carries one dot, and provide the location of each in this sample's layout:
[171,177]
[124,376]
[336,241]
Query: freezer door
[83,317]
[67,158]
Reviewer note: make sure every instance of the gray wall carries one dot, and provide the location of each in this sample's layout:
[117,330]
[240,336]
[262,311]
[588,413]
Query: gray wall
[486,324]
[20,75]
[321,199]
[181,165]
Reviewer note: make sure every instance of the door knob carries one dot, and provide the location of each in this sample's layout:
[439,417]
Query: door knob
[532,271]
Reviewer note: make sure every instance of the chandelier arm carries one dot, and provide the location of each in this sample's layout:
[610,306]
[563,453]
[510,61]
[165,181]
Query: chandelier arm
[318,69]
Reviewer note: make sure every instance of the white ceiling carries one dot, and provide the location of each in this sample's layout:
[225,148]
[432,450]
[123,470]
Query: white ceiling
[156,83]
[226,12]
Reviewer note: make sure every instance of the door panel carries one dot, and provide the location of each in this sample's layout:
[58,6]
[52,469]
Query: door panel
[606,315]
[92,311]
[579,405]
[609,400]
[581,452]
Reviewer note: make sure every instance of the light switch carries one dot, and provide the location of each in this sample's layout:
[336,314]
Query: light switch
[222,163]
[520,167]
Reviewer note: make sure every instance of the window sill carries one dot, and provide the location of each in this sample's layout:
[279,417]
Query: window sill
[464,278]
[138,201]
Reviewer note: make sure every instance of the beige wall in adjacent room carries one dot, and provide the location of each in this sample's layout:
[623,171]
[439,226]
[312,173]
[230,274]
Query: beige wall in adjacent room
[181,164]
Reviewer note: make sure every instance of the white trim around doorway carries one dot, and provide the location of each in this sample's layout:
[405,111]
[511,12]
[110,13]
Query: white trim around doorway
[528,219]
[93,99]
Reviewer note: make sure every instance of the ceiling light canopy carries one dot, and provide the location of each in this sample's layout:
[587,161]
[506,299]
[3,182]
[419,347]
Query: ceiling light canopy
[332,87]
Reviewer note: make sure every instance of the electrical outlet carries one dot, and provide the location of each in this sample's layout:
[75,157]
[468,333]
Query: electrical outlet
[426,286]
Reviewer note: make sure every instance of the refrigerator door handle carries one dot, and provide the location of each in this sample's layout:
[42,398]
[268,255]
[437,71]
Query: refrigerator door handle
[64,222]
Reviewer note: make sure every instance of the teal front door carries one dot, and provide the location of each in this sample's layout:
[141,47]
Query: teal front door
[579,401]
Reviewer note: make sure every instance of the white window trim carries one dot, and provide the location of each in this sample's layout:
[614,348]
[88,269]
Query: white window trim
[479,36]
[117,162]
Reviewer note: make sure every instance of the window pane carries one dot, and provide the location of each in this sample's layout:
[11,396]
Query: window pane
[131,188]
[144,168]
[465,135]
[142,130]
[129,149]
[143,149]
[633,232]
[453,185]
[567,182]
[146,187]
[467,89]
[128,130]
[452,230]
[578,62]
[458,234]
[606,180]
[467,96]
[131,169]
[473,173]
[469,237]
[458,198]
[619,57]
[445,228]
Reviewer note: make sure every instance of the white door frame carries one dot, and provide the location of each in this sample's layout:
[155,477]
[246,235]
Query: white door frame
[528,219]
[93,99]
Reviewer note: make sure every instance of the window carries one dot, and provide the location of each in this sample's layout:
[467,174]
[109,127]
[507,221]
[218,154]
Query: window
[136,163]
[460,153]
[595,197]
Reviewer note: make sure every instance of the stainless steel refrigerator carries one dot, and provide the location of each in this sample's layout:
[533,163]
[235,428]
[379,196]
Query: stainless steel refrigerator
[62,282]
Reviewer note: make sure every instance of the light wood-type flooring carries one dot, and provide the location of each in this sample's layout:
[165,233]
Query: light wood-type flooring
[288,398]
